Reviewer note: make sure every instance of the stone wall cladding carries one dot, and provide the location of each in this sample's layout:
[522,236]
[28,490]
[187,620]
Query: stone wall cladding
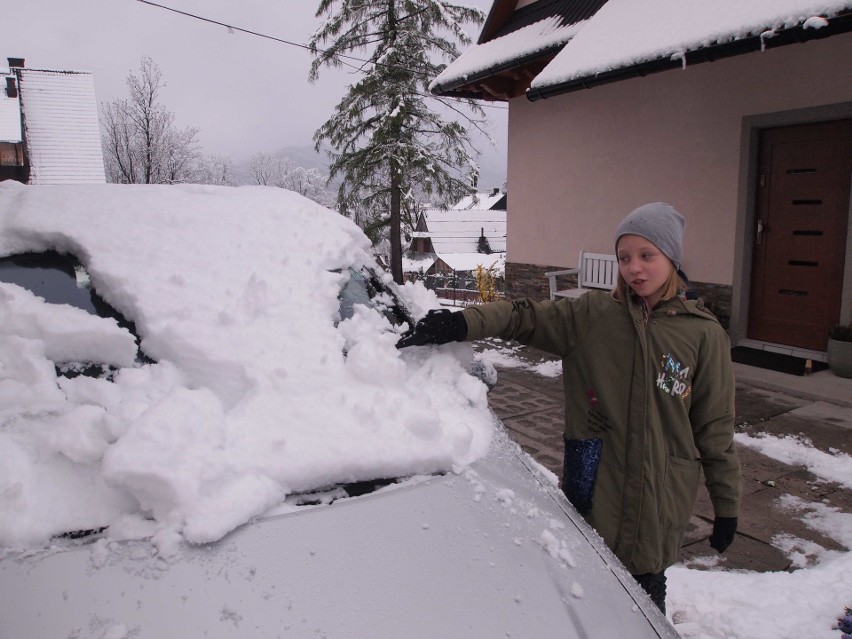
[717,297]
[528,280]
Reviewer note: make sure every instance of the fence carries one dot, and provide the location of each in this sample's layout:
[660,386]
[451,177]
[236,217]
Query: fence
[458,287]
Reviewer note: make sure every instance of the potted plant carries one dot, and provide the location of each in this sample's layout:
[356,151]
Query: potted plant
[840,350]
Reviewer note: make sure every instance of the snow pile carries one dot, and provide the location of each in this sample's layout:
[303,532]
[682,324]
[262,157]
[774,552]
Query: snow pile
[625,32]
[255,393]
[717,604]
[505,355]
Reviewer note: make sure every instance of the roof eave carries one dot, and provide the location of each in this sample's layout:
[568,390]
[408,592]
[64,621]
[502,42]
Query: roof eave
[837,25]
[457,88]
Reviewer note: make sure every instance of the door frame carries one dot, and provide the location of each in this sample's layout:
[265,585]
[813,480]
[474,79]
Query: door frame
[751,127]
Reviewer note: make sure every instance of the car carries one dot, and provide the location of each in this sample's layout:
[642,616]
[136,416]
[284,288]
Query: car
[207,430]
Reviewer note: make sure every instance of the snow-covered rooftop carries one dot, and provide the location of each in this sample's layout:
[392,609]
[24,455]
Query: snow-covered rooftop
[470,261]
[459,231]
[62,131]
[484,201]
[508,49]
[415,265]
[625,32]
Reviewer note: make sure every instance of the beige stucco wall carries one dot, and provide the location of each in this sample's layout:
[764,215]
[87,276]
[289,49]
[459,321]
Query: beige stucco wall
[579,162]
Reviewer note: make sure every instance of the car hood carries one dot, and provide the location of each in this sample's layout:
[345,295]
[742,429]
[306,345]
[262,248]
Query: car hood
[488,550]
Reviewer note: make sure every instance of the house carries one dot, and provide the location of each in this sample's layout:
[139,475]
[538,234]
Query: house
[493,201]
[49,131]
[739,114]
[460,231]
[448,246]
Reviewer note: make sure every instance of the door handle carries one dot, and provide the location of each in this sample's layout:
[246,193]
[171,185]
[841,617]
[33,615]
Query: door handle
[759,235]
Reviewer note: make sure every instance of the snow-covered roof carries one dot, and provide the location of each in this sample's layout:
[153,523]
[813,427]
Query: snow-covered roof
[62,131]
[10,110]
[624,33]
[459,231]
[506,50]
[588,43]
[470,261]
[415,265]
[483,201]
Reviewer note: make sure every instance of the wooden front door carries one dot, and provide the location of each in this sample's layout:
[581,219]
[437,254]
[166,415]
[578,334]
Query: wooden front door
[802,214]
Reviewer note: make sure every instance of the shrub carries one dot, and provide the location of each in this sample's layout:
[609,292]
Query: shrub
[841,332]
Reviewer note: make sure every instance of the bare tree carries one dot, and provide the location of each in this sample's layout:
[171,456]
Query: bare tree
[263,169]
[141,143]
[216,169]
[308,182]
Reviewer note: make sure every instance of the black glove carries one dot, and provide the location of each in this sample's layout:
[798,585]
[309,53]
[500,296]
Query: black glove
[438,327]
[724,529]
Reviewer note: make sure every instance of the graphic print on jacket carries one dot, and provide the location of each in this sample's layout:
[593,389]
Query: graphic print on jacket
[674,379]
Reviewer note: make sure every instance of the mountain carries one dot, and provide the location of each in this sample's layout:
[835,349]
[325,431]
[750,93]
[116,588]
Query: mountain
[492,165]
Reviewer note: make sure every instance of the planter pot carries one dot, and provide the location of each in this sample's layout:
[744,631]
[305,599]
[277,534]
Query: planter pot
[840,357]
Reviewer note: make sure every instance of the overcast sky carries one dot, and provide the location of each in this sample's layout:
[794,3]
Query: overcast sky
[246,93]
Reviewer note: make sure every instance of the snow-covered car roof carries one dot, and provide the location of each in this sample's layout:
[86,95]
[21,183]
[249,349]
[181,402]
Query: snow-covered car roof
[258,388]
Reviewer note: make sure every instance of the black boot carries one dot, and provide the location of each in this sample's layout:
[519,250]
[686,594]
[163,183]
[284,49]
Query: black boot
[654,583]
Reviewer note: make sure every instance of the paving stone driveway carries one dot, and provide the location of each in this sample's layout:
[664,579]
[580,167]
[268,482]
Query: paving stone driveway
[530,406]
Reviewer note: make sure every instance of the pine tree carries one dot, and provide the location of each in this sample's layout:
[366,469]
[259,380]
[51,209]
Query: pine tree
[387,136]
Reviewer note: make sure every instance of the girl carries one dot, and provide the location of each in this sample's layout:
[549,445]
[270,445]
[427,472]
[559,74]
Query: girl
[649,396]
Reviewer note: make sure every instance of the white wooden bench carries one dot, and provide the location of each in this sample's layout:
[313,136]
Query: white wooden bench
[595,270]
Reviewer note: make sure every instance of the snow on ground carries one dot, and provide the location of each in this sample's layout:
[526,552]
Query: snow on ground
[739,604]
[255,393]
[505,355]
[798,451]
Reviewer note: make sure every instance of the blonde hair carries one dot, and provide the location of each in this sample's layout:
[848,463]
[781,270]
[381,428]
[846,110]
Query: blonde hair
[674,286]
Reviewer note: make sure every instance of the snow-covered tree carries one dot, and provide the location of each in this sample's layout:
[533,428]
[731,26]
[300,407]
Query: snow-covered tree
[263,168]
[276,169]
[216,169]
[388,135]
[141,143]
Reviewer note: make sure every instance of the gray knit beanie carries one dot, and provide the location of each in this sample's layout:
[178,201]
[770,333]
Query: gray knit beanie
[661,224]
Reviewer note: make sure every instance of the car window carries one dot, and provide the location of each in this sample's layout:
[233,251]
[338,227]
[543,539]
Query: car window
[59,279]
[366,287]
[62,279]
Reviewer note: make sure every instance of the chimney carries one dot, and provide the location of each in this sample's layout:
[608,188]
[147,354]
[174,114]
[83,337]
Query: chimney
[16,63]
[11,87]
[496,190]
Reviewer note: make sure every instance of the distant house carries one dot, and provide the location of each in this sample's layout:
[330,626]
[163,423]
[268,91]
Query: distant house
[494,201]
[612,104]
[49,131]
[454,243]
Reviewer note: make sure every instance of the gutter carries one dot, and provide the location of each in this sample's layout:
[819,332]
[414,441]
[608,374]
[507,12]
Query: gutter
[836,25]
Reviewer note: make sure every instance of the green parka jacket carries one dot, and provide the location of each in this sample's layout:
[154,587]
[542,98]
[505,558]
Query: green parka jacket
[657,390]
